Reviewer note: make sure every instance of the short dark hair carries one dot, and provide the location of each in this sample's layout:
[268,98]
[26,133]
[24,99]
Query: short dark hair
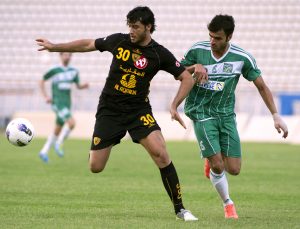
[142,14]
[219,22]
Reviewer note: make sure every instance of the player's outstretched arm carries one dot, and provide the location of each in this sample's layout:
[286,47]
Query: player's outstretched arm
[187,83]
[84,45]
[198,72]
[83,85]
[267,96]
[44,92]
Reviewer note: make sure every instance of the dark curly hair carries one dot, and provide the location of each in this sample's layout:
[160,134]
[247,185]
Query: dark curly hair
[219,22]
[142,14]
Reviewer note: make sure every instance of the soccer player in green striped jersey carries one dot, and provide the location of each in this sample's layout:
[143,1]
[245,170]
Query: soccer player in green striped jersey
[62,78]
[217,66]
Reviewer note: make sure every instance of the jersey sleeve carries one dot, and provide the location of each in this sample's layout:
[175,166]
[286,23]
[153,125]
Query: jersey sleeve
[189,58]
[170,64]
[50,73]
[250,70]
[108,43]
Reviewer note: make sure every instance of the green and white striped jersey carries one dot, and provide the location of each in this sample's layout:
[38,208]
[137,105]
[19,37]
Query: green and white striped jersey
[62,79]
[216,97]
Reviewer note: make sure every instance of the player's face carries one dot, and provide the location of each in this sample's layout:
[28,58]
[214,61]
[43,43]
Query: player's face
[219,41]
[138,32]
[65,58]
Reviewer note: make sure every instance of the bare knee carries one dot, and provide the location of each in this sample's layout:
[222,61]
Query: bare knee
[217,164]
[96,168]
[233,166]
[98,159]
[95,165]
[71,124]
[155,144]
[234,171]
[161,157]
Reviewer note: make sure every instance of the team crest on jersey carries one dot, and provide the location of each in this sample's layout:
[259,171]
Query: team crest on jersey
[96,140]
[141,63]
[135,57]
[137,51]
[227,68]
[214,70]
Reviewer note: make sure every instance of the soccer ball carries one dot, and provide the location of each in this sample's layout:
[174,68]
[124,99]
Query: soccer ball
[19,132]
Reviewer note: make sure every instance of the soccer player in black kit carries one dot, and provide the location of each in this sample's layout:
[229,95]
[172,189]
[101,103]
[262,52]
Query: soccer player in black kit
[124,104]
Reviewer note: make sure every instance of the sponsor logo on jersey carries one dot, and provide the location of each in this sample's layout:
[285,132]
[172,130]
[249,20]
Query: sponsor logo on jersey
[128,81]
[212,85]
[141,63]
[134,71]
[227,68]
[96,140]
[64,86]
[125,90]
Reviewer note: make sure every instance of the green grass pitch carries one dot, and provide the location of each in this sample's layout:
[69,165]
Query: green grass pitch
[129,193]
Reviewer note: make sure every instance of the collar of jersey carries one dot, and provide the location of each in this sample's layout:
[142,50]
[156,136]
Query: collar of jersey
[222,57]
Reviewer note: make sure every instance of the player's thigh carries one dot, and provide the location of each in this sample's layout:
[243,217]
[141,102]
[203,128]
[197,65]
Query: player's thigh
[229,138]
[144,129]
[99,158]
[108,129]
[207,134]
[155,144]
[230,145]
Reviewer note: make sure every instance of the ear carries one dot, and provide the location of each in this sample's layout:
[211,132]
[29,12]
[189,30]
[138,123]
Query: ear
[148,27]
[229,37]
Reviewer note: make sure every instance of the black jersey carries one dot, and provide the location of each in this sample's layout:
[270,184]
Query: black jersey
[132,69]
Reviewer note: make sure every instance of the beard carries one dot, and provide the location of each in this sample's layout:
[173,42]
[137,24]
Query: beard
[139,38]
[220,48]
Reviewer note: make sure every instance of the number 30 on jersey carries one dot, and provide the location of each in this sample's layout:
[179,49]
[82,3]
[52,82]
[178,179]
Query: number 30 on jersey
[147,120]
[123,54]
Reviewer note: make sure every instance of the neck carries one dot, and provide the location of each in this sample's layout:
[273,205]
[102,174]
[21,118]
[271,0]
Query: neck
[220,53]
[145,42]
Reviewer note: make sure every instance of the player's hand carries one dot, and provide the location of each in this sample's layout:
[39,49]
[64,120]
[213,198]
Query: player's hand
[45,44]
[85,85]
[280,125]
[200,74]
[48,100]
[175,116]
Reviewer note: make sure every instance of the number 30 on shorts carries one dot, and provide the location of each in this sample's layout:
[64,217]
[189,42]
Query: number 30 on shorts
[147,119]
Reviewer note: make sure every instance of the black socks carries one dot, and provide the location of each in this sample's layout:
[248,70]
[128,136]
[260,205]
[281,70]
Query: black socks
[172,186]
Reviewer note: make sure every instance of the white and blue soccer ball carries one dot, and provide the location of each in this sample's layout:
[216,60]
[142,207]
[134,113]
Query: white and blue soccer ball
[19,132]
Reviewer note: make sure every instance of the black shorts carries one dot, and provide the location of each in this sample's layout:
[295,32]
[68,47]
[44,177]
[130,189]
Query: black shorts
[111,126]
